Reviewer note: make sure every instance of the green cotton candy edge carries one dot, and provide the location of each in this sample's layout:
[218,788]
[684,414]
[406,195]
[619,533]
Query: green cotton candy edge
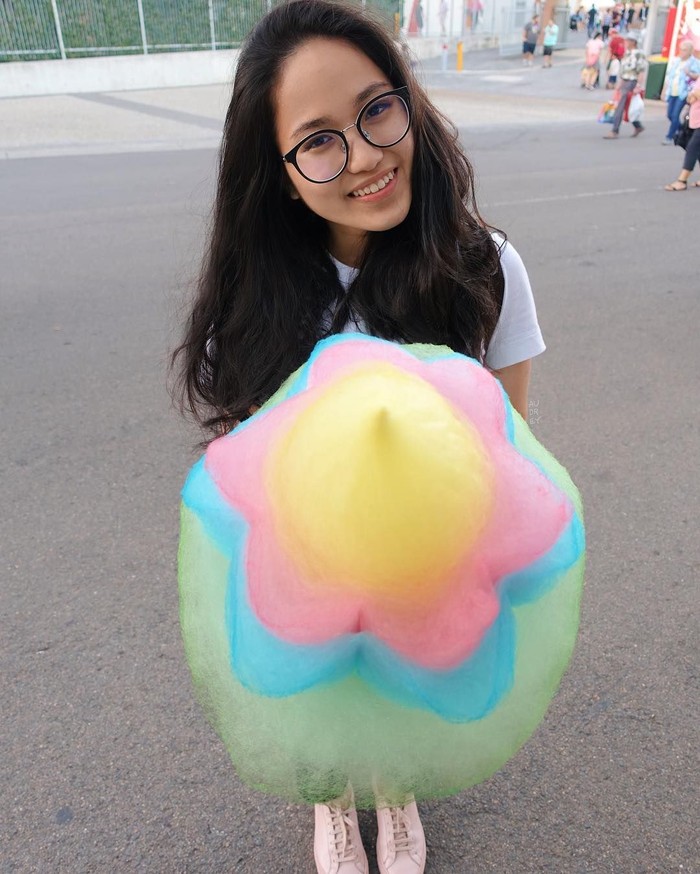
[270,738]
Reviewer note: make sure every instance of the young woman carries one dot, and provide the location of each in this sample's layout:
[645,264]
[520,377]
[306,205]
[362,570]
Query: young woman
[591,69]
[344,203]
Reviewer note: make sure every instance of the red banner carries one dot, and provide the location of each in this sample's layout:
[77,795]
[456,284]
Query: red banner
[685,24]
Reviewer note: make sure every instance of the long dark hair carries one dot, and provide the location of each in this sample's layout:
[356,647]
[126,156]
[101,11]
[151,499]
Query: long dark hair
[268,279]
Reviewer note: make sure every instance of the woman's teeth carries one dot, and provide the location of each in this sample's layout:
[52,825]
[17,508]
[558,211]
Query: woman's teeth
[375,186]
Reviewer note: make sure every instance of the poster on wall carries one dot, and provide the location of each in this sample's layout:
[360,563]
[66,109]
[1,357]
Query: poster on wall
[686,25]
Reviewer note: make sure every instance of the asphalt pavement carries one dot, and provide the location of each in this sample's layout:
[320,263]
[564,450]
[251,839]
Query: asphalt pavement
[106,762]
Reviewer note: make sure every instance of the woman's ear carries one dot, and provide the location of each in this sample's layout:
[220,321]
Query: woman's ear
[293,193]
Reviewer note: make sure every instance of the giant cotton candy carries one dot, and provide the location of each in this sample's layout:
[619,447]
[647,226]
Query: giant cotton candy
[380,575]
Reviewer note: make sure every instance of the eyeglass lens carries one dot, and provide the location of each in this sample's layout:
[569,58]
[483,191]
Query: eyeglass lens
[383,122]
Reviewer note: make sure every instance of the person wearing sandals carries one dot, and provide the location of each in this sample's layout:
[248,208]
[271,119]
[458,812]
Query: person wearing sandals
[633,72]
[692,150]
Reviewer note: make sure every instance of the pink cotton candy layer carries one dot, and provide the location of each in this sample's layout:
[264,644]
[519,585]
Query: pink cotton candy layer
[528,516]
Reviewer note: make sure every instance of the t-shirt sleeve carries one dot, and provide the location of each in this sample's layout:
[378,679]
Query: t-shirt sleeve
[517,336]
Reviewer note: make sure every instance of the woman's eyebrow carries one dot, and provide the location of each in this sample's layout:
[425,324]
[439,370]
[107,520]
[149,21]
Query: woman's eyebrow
[366,93]
[324,121]
[312,125]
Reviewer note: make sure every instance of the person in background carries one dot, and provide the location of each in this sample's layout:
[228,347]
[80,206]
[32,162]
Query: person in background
[419,19]
[530,33]
[613,73]
[479,11]
[623,18]
[616,45]
[681,76]
[616,17]
[592,20]
[591,70]
[551,35]
[442,15]
[616,51]
[692,150]
[582,15]
[633,74]
[474,10]
[606,24]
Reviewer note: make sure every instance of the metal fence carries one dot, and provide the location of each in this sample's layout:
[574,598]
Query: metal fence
[40,29]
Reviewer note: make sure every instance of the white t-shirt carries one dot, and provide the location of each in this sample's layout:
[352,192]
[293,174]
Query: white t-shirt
[517,336]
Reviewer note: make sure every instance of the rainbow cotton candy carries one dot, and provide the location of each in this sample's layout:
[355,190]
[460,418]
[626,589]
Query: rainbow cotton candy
[380,575]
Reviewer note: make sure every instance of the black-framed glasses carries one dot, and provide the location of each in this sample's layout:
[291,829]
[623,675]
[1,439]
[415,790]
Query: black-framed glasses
[323,155]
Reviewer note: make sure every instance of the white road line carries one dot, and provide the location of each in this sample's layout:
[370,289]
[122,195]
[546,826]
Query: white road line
[556,197]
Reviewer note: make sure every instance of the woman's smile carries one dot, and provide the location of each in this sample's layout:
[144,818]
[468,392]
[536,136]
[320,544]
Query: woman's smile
[378,188]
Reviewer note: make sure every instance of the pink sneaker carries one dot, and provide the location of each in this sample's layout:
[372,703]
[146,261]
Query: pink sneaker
[400,841]
[337,843]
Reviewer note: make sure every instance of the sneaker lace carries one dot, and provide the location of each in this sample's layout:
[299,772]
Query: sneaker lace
[342,827]
[401,828]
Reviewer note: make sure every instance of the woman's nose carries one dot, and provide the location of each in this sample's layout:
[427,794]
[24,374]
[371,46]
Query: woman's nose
[363,156]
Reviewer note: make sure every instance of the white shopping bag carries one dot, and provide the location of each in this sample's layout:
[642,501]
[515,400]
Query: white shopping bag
[636,108]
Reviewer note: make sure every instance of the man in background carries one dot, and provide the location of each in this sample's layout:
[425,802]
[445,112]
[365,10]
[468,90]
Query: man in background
[530,34]
[633,74]
[551,35]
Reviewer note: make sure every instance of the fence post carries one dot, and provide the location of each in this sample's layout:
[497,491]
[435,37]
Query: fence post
[212,29]
[59,32]
[143,27]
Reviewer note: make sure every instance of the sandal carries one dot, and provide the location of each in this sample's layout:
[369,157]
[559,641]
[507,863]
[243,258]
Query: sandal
[677,185]
[695,185]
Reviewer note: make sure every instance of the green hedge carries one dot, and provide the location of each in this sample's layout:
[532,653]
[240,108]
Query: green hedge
[93,25]
[27,25]
[104,27]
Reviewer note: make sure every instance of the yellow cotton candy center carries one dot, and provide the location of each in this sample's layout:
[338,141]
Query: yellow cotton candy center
[380,487]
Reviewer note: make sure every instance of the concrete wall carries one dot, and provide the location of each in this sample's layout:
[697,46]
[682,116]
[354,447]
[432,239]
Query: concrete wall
[167,70]
[120,73]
